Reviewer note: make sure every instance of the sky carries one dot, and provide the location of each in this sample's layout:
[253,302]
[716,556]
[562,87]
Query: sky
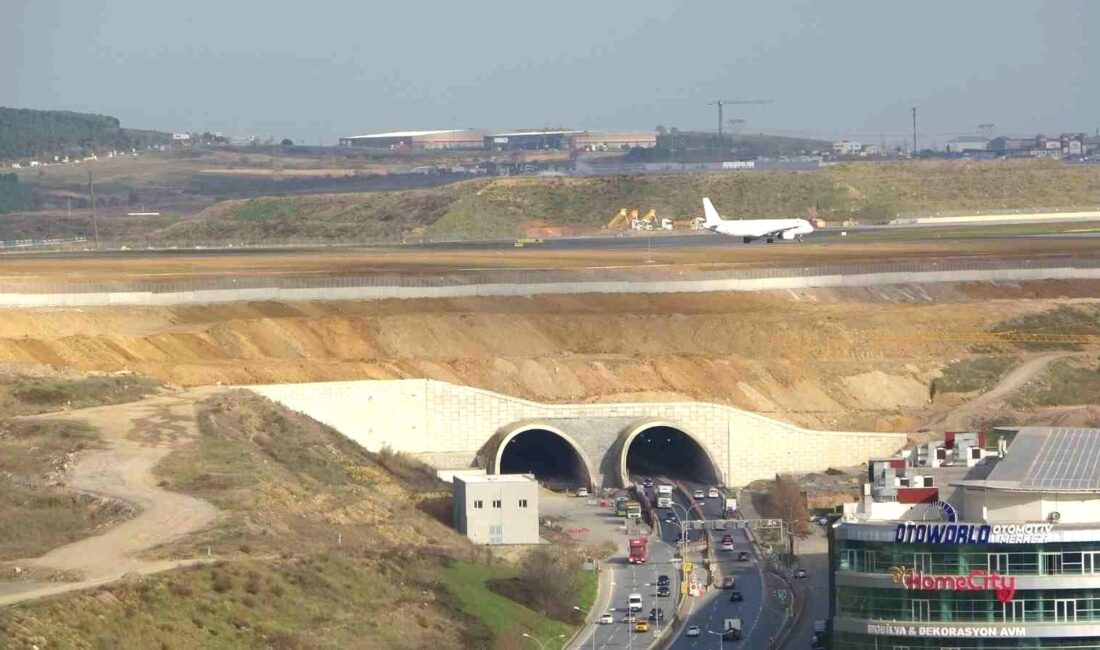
[313,71]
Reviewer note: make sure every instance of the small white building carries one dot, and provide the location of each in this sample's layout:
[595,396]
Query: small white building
[847,148]
[966,143]
[497,508]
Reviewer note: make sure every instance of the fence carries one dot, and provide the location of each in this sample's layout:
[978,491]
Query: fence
[510,283]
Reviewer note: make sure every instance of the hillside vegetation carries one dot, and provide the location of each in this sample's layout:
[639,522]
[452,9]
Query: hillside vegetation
[324,545]
[25,132]
[502,207]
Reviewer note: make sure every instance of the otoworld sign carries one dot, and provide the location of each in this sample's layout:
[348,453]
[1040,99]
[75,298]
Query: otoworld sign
[959,533]
[978,580]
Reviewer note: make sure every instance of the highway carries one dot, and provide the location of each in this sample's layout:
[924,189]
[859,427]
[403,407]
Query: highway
[625,579]
[760,620]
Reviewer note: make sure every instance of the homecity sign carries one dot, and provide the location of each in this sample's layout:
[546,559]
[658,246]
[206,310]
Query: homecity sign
[977,580]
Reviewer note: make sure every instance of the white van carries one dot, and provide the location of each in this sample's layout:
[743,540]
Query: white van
[634,603]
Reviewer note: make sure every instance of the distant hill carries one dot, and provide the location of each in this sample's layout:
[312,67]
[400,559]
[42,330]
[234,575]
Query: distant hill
[26,133]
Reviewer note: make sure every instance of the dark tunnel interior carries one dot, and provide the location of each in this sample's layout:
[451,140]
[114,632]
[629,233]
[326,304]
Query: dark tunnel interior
[548,456]
[665,451]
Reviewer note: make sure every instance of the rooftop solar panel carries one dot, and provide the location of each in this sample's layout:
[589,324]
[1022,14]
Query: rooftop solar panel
[1067,459]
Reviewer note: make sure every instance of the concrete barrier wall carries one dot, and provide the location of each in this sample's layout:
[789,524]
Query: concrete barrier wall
[213,296]
[447,425]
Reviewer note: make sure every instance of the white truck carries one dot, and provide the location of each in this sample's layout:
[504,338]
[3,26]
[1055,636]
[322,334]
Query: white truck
[731,507]
[731,630]
[664,502]
[664,490]
[634,602]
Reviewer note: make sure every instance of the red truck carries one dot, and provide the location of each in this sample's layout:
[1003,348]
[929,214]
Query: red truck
[639,550]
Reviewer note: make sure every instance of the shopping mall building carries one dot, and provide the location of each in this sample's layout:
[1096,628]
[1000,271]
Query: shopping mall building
[960,544]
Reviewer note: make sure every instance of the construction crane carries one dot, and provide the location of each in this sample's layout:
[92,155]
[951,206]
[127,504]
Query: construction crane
[723,102]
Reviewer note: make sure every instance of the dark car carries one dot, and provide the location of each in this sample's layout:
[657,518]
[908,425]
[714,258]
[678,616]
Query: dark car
[647,483]
[735,596]
[656,614]
[743,556]
[663,592]
[663,581]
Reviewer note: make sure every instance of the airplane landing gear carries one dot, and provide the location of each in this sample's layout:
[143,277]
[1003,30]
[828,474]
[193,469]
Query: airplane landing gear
[770,240]
[746,239]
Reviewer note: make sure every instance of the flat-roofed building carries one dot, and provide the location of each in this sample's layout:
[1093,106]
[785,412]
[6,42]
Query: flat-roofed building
[497,508]
[993,546]
[419,140]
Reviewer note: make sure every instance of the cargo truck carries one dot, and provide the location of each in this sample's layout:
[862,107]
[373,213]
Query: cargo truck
[664,490]
[664,502]
[731,507]
[639,550]
[634,510]
[620,506]
[731,631]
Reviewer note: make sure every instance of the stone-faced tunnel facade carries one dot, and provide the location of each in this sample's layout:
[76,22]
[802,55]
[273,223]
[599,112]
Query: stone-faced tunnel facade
[450,426]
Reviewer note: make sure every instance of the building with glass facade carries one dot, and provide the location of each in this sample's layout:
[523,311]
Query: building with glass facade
[1003,553]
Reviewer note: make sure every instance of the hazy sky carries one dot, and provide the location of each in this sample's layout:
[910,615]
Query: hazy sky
[320,69]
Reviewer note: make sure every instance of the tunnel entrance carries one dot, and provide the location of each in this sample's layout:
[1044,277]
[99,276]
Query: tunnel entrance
[668,451]
[546,454]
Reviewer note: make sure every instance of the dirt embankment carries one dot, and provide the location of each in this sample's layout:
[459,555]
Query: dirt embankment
[820,358]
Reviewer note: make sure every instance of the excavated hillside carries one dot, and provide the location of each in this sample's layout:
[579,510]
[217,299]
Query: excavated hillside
[831,358]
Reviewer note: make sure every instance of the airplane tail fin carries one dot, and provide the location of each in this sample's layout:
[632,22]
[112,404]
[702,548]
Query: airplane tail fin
[712,217]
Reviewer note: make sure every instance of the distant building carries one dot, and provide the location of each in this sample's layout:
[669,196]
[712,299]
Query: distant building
[181,138]
[497,508]
[417,140]
[530,140]
[965,143]
[847,148]
[612,140]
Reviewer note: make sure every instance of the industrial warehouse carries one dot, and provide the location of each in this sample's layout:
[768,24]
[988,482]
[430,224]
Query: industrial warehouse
[957,545]
[533,140]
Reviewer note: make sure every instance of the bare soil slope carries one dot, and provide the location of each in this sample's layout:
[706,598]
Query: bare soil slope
[822,358]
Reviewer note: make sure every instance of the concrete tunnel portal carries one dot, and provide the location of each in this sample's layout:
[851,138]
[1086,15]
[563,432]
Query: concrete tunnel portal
[661,449]
[549,454]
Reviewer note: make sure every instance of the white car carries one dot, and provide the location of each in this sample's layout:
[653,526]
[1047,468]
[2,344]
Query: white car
[712,493]
[725,546]
[693,630]
[582,492]
[698,494]
[607,619]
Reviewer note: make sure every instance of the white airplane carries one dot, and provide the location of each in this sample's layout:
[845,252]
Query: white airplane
[750,229]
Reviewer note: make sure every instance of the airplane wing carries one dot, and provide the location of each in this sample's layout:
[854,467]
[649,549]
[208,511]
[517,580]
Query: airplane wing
[778,231]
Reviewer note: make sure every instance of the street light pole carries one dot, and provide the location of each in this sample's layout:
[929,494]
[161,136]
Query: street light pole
[595,625]
[719,635]
[542,644]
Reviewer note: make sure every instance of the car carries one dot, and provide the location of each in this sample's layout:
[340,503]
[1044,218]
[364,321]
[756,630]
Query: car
[607,619]
[693,630]
[727,538]
[713,493]
[823,521]
[663,581]
[656,614]
[736,597]
[670,518]
[698,494]
[728,582]
[582,492]
[647,483]
[743,556]
[725,546]
[630,618]
[641,626]
[801,573]
[664,592]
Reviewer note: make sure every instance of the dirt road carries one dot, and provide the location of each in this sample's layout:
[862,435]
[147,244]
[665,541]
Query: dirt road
[959,418]
[136,436]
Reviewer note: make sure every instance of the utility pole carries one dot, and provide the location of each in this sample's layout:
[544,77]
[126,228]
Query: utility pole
[914,129]
[95,222]
[722,102]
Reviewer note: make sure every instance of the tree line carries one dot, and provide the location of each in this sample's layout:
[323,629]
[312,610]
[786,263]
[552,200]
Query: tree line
[26,133]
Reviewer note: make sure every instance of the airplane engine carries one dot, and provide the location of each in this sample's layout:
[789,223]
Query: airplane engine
[787,234]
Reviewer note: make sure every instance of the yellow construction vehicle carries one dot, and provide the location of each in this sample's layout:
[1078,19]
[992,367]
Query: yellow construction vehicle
[619,221]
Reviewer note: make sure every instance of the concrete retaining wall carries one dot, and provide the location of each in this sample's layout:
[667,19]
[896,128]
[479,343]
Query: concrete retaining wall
[447,425]
[277,294]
